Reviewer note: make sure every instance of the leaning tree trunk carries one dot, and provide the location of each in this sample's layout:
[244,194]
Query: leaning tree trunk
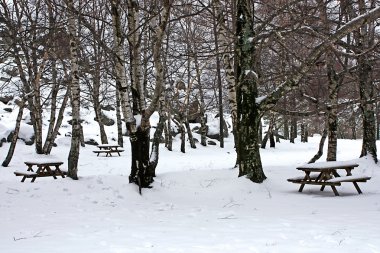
[75,96]
[36,108]
[53,108]
[249,115]
[321,145]
[12,147]
[52,134]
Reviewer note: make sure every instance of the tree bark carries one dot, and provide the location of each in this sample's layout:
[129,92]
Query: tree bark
[320,150]
[216,24]
[202,105]
[120,140]
[75,96]
[53,134]
[249,114]
[228,65]
[364,38]
[16,131]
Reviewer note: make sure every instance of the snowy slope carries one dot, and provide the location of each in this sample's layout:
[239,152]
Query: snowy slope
[197,204]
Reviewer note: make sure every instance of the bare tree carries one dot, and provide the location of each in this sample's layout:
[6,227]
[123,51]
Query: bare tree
[75,94]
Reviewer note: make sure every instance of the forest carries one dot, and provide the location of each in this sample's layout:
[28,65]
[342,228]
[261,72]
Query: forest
[279,68]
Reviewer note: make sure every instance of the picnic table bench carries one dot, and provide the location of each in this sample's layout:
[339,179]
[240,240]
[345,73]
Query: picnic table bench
[108,149]
[45,168]
[326,174]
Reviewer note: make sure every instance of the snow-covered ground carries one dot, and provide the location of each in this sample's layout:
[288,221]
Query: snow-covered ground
[197,204]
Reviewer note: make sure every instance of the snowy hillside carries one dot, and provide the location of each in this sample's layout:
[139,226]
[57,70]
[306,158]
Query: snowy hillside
[197,203]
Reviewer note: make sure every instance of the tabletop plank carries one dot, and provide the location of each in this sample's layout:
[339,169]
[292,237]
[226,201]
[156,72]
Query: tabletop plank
[328,165]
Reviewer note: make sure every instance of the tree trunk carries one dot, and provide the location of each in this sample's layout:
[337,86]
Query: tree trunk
[216,25]
[202,105]
[293,129]
[378,120]
[154,155]
[228,65]
[364,38]
[75,96]
[55,88]
[96,103]
[53,134]
[286,128]
[320,150]
[190,134]
[333,89]
[12,147]
[36,106]
[264,140]
[140,158]
[183,137]
[249,115]
[120,140]
[169,145]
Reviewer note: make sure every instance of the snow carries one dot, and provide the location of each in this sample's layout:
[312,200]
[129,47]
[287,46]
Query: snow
[348,178]
[197,204]
[259,100]
[329,164]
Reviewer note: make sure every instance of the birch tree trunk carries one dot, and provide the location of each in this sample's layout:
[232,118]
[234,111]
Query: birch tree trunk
[333,88]
[202,105]
[75,95]
[53,132]
[96,103]
[159,28]
[121,82]
[321,145]
[16,131]
[216,24]
[55,88]
[119,124]
[228,65]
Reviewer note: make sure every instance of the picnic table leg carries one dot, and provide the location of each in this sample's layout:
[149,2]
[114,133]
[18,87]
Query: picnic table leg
[349,171]
[357,187]
[51,172]
[322,188]
[30,168]
[23,179]
[57,170]
[334,190]
[301,187]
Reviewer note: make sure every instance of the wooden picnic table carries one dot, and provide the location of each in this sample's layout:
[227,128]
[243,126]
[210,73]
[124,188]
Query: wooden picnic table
[108,149]
[326,174]
[45,168]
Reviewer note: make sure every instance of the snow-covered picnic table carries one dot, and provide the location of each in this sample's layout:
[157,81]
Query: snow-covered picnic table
[45,168]
[108,149]
[326,173]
